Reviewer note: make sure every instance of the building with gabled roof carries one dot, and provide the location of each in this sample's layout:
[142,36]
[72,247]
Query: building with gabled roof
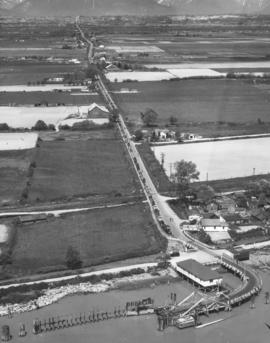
[214,224]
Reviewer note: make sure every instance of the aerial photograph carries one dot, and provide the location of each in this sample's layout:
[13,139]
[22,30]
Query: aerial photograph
[135,171]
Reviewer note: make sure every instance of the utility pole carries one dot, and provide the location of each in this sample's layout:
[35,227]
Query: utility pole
[171,170]
[162,159]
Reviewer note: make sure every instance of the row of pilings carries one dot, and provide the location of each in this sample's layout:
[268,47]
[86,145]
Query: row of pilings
[56,323]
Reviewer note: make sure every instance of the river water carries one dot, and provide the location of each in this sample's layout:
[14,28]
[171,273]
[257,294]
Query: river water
[221,159]
[241,325]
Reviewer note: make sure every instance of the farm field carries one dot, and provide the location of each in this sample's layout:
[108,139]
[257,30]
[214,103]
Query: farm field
[26,117]
[51,50]
[139,76]
[161,75]
[221,160]
[99,236]
[11,74]
[216,48]
[68,169]
[52,98]
[67,135]
[196,101]
[213,65]
[18,141]
[14,166]
[43,88]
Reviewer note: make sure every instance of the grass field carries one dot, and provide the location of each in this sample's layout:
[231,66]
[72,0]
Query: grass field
[66,169]
[98,235]
[14,167]
[52,98]
[21,74]
[216,48]
[196,100]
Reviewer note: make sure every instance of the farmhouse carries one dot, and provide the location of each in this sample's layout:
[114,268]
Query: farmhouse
[163,135]
[199,274]
[93,111]
[214,225]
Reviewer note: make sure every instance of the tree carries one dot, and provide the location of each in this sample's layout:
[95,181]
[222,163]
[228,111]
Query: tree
[4,127]
[241,200]
[149,117]
[178,136]
[255,188]
[84,125]
[261,200]
[205,193]
[40,126]
[92,72]
[173,120]
[73,260]
[185,173]
[51,127]
[138,135]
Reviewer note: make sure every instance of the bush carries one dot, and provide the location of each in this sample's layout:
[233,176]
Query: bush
[73,260]
[4,127]
[51,127]
[40,126]
[138,135]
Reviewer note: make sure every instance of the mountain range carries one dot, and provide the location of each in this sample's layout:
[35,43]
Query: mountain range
[132,7]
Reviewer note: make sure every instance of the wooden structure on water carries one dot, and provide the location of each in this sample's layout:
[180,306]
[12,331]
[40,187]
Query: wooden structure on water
[186,313]
[133,308]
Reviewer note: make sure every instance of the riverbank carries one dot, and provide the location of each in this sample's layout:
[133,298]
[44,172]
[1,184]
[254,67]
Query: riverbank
[100,282]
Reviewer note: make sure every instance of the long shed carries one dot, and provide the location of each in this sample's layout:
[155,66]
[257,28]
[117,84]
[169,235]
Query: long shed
[198,273]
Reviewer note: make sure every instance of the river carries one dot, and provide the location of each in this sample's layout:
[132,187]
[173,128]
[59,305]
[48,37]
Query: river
[241,325]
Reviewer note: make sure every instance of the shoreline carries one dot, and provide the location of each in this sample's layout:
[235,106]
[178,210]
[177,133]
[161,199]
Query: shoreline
[56,294]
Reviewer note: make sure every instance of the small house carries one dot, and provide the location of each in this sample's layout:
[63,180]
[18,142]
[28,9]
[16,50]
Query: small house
[214,225]
[186,136]
[163,135]
[226,205]
[236,218]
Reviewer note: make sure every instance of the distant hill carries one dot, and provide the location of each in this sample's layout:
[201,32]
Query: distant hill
[132,7]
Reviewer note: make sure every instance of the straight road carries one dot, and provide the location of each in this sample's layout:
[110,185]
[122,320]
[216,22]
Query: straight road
[159,207]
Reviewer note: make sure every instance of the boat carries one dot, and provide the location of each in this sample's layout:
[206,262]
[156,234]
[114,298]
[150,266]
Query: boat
[185,322]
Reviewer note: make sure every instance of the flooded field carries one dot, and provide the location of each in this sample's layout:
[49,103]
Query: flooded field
[212,65]
[220,160]
[169,74]
[18,141]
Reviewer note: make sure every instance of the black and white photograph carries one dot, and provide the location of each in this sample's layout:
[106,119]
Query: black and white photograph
[135,171]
